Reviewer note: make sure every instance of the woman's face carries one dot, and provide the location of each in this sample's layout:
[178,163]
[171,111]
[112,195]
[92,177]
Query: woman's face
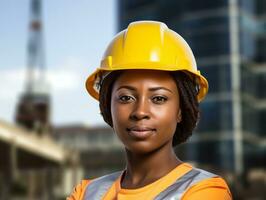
[145,109]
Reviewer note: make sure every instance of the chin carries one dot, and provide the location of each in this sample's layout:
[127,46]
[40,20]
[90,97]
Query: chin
[141,148]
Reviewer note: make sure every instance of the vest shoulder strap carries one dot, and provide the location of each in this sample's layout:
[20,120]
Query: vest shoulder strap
[98,187]
[176,190]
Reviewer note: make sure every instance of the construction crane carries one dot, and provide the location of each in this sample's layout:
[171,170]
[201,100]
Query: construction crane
[30,158]
[33,108]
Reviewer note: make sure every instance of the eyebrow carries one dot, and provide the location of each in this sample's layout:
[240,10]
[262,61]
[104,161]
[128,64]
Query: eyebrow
[150,89]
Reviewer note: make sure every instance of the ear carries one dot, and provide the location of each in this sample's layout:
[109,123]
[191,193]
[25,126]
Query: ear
[179,116]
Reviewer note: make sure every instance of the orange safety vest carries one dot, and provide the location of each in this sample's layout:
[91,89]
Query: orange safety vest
[192,183]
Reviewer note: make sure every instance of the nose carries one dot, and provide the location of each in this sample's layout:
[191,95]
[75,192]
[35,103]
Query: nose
[141,110]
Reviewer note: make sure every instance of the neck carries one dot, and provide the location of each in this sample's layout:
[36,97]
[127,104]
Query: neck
[143,169]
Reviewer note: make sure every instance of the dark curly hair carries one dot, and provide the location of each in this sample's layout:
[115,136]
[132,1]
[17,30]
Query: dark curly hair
[188,90]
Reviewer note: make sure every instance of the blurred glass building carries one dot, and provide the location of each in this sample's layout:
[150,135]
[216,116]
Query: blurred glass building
[228,38]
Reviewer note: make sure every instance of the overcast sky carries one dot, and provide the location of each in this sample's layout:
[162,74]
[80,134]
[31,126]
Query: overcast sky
[75,36]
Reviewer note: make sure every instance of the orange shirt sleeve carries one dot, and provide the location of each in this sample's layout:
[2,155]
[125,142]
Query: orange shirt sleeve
[212,188]
[79,191]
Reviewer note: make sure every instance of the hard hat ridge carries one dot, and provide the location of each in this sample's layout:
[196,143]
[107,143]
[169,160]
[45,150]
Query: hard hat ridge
[147,45]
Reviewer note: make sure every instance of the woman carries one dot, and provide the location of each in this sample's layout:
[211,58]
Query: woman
[149,89]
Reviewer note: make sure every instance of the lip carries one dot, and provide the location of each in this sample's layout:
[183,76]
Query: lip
[140,132]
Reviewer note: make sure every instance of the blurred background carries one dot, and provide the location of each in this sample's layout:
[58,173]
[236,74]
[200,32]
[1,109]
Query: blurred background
[51,132]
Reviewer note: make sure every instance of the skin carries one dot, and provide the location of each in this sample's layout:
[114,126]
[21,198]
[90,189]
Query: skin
[146,98]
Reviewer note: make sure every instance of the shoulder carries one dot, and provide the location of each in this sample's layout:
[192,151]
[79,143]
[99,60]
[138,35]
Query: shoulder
[208,188]
[79,190]
[93,185]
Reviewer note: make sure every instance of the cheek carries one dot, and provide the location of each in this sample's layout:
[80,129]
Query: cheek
[168,118]
[119,115]
[114,114]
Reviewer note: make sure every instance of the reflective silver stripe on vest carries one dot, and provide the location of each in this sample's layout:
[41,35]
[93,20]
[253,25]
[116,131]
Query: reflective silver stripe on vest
[98,187]
[177,189]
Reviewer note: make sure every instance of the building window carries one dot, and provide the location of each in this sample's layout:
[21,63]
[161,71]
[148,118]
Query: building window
[247,44]
[215,116]
[260,85]
[221,153]
[260,7]
[262,124]
[261,49]
[218,77]
[248,6]
[192,5]
[249,118]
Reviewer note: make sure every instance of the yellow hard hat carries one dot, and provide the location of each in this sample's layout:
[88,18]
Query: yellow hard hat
[147,45]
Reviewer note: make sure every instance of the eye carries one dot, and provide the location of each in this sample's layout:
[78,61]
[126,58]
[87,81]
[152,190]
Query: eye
[125,99]
[159,99]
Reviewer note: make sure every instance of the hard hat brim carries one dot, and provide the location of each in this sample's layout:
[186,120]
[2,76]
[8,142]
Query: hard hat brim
[93,89]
